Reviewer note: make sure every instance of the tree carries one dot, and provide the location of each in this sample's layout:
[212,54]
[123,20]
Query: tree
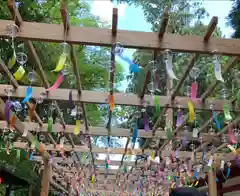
[233,18]
[185,19]
[92,61]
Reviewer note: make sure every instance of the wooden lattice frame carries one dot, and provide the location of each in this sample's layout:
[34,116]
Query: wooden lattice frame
[105,37]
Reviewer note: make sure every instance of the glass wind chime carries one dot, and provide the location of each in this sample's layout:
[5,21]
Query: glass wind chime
[18,57]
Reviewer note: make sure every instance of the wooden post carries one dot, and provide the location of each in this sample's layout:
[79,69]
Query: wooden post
[69,189]
[169,114]
[212,185]
[46,178]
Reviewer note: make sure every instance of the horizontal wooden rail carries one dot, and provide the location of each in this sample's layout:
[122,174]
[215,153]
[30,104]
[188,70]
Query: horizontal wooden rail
[116,132]
[119,98]
[129,39]
[165,153]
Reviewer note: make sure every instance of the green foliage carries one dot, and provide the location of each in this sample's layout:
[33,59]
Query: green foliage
[233,18]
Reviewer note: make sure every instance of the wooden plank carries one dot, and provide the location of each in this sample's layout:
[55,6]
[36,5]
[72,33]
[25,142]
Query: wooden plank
[46,178]
[120,98]
[116,132]
[111,171]
[212,185]
[129,39]
[97,161]
[67,148]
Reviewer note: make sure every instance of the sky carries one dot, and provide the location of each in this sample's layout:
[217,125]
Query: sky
[132,18]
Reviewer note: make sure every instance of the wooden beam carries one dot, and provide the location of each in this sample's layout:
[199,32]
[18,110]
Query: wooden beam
[116,132]
[129,39]
[97,161]
[68,148]
[120,98]
[46,178]
[212,185]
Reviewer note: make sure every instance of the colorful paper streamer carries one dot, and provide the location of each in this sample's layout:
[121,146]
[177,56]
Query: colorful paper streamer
[7,108]
[50,125]
[238,97]
[61,62]
[76,129]
[194,88]
[191,113]
[179,118]
[19,73]
[111,102]
[57,83]
[169,67]
[134,134]
[227,114]
[169,132]
[28,94]
[70,100]
[231,136]
[133,68]
[31,110]
[146,122]
[216,121]
[12,61]
[156,104]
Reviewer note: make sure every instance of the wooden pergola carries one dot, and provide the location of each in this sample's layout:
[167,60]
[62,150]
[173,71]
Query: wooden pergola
[155,41]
